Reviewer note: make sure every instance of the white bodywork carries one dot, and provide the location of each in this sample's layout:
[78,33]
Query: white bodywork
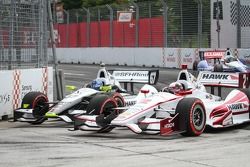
[61,109]
[145,116]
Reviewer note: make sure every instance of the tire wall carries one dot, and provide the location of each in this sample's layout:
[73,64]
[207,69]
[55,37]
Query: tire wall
[158,57]
[16,83]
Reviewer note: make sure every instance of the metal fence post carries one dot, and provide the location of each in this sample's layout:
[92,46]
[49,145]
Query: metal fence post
[181,12]
[67,28]
[150,17]
[165,28]
[58,86]
[111,18]
[199,23]
[11,35]
[137,24]
[238,25]
[39,36]
[218,23]
[88,26]
[99,27]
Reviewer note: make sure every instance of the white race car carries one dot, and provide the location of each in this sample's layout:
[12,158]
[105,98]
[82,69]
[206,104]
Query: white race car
[186,111]
[219,61]
[35,107]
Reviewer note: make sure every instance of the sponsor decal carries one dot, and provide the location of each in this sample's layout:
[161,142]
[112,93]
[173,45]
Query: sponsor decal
[169,125]
[217,54]
[29,37]
[235,107]
[246,56]
[130,74]
[171,57]
[145,101]
[25,89]
[187,58]
[130,103]
[219,76]
[4,98]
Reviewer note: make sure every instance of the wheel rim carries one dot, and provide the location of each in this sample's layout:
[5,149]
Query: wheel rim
[198,117]
[38,105]
[107,108]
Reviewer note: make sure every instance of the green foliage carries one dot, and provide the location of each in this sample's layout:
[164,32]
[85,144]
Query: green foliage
[76,4]
[72,4]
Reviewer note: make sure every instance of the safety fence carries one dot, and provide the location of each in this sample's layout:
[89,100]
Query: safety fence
[159,23]
[156,23]
[23,34]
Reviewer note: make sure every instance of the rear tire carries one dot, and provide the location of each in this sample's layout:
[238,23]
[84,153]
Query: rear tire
[218,68]
[192,116]
[36,101]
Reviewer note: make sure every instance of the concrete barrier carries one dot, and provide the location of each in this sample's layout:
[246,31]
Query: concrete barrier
[17,83]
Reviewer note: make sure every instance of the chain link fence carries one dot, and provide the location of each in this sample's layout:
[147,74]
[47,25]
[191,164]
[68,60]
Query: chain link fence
[23,34]
[172,23]
[159,23]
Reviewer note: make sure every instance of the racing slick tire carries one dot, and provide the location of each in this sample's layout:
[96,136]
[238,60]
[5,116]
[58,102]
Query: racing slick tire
[218,68]
[98,104]
[36,101]
[195,65]
[192,116]
[247,93]
[118,98]
[102,105]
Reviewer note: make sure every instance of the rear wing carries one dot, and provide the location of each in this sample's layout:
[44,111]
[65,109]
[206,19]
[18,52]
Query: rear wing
[136,76]
[222,79]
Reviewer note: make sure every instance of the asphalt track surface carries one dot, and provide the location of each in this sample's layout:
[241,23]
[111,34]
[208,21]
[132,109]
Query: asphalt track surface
[52,145]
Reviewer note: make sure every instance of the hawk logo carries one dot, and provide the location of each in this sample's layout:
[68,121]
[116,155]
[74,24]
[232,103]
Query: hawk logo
[130,103]
[215,76]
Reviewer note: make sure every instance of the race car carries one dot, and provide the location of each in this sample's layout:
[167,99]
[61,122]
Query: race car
[104,92]
[219,61]
[186,111]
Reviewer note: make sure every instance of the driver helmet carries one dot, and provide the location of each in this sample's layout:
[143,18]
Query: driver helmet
[96,84]
[229,59]
[175,87]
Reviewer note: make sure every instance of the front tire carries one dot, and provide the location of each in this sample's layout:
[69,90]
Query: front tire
[103,105]
[192,116]
[36,101]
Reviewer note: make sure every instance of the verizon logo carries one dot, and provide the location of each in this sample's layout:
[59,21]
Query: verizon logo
[215,76]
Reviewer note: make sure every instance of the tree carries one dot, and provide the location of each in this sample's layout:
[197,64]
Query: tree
[75,4]
[69,4]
